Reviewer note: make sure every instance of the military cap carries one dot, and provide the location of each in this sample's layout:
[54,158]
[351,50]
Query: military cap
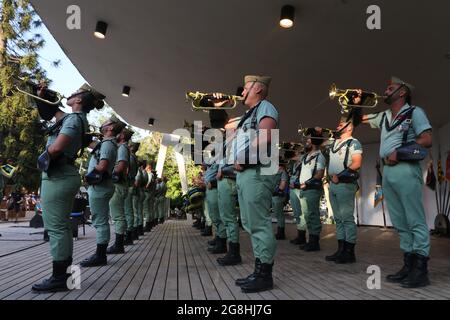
[120,124]
[98,102]
[395,80]
[262,79]
[97,95]
[354,116]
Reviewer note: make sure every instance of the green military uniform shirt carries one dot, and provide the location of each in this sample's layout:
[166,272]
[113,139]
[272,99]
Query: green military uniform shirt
[242,141]
[74,125]
[391,140]
[338,152]
[309,163]
[107,151]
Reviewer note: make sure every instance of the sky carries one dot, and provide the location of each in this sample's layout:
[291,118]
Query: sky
[66,79]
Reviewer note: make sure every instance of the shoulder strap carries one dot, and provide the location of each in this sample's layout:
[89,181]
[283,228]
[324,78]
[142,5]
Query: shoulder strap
[382,120]
[408,117]
[347,153]
[315,165]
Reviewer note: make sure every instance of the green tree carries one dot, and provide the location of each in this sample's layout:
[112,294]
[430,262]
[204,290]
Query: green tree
[21,139]
[149,151]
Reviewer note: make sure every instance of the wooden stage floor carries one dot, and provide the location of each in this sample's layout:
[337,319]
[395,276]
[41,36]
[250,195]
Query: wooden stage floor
[172,262]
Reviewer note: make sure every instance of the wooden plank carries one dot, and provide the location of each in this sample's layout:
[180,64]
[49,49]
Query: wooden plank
[131,285]
[225,275]
[148,280]
[205,277]
[195,283]
[104,275]
[184,286]
[171,289]
[159,284]
[21,283]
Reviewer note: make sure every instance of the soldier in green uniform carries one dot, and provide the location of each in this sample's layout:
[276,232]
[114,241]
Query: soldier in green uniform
[101,188]
[146,200]
[117,202]
[405,135]
[227,198]
[294,198]
[61,180]
[212,203]
[311,189]
[142,198]
[162,200]
[137,198]
[279,200]
[256,181]
[345,158]
[129,212]
[149,218]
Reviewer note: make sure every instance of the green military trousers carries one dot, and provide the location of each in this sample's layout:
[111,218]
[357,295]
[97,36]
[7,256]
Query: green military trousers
[137,207]
[342,198]
[255,199]
[57,196]
[129,213]
[277,207]
[146,206]
[99,197]
[117,207]
[294,198]
[212,202]
[227,193]
[151,212]
[160,206]
[205,215]
[402,189]
[310,204]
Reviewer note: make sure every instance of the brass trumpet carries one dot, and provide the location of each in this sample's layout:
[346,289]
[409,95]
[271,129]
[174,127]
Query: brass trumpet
[346,96]
[308,131]
[207,101]
[51,97]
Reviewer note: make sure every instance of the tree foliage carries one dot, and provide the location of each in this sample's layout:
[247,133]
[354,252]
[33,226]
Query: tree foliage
[21,138]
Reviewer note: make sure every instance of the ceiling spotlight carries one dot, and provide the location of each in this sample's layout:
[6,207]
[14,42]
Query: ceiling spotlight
[151,122]
[287,16]
[447,55]
[126,91]
[100,30]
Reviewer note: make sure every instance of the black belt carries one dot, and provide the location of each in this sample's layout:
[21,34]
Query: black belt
[229,177]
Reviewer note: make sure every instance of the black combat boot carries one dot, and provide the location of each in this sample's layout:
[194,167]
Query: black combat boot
[301,238]
[250,277]
[418,276]
[118,246]
[280,234]
[262,280]
[97,259]
[347,255]
[233,256]
[140,230]
[212,243]
[408,261]
[196,223]
[313,244]
[337,253]
[147,227]
[128,241]
[207,231]
[46,237]
[57,282]
[220,246]
[201,225]
[135,234]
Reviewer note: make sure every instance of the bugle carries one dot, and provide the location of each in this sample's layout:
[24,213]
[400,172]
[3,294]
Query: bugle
[49,96]
[208,101]
[346,98]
